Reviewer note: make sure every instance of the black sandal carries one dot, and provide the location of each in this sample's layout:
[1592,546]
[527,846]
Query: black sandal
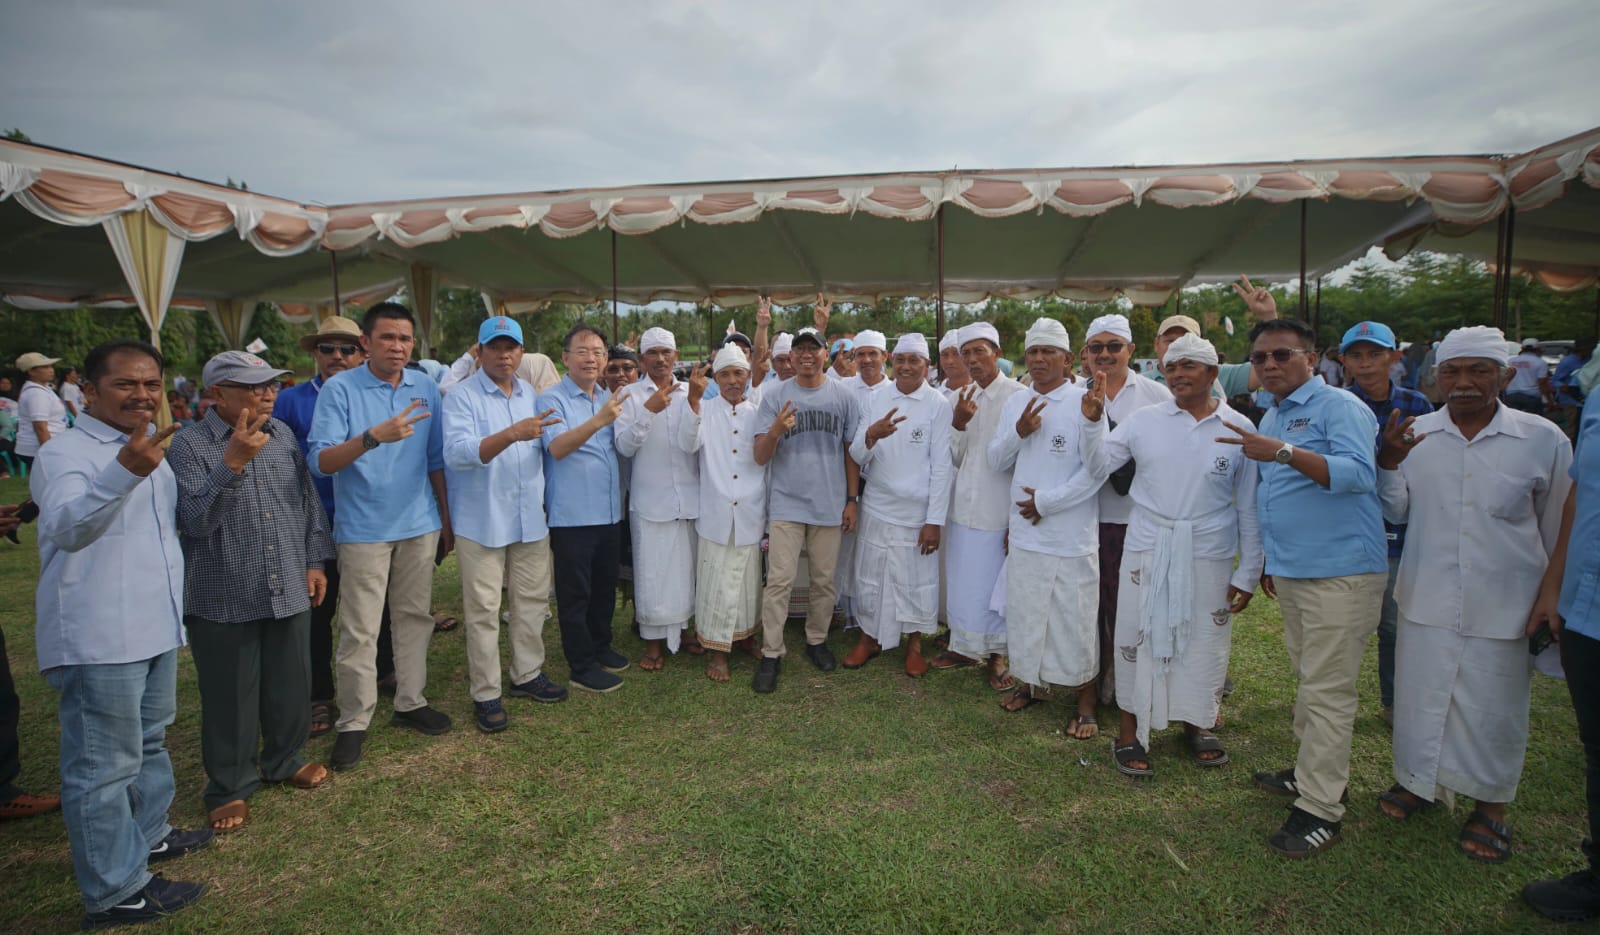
[1396,796]
[1125,755]
[1204,741]
[1500,843]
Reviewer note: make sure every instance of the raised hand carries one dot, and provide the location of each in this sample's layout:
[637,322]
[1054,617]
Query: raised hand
[609,410]
[142,454]
[1029,421]
[821,313]
[965,408]
[657,401]
[698,380]
[399,426]
[1397,441]
[473,351]
[1257,447]
[1257,299]
[764,311]
[784,421]
[885,426]
[526,430]
[1028,508]
[246,441]
[1094,400]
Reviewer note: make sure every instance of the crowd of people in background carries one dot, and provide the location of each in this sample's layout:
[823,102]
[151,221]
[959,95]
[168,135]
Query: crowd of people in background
[1079,534]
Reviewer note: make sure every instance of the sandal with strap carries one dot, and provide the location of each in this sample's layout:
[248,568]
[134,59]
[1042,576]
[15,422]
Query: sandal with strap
[1002,681]
[1204,741]
[322,717]
[1126,754]
[1403,799]
[1079,722]
[223,813]
[953,660]
[1498,839]
[1019,699]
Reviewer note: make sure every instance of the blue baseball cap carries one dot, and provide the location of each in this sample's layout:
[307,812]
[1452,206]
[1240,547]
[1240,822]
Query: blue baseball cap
[1371,332]
[499,327]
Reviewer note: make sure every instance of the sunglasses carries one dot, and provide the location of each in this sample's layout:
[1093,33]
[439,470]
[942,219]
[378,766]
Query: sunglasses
[343,350]
[1281,355]
[1113,347]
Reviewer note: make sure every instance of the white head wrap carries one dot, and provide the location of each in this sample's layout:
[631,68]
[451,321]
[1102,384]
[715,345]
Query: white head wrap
[871,338]
[730,356]
[1111,324]
[912,343]
[950,340]
[1476,341]
[657,337]
[979,331]
[1047,332]
[783,345]
[1191,347]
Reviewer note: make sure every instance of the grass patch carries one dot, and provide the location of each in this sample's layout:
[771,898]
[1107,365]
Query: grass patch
[852,801]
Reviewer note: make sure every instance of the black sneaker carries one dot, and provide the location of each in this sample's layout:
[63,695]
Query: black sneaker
[160,897]
[1303,835]
[346,749]
[424,719]
[178,843]
[539,688]
[1282,783]
[766,679]
[491,716]
[1573,898]
[611,660]
[596,680]
[820,656]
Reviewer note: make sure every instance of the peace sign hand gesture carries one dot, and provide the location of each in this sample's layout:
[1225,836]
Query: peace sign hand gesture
[1398,440]
[764,311]
[142,454]
[965,408]
[660,398]
[1257,299]
[1029,421]
[697,385]
[609,410]
[884,427]
[526,430]
[784,422]
[1094,400]
[821,313]
[246,441]
[1257,447]
[399,426]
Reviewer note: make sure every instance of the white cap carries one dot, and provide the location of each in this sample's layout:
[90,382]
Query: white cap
[950,340]
[870,338]
[1475,341]
[657,337]
[1112,324]
[730,356]
[1191,347]
[783,344]
[1047,332]
[1530,342]
[979,331]
[912,343]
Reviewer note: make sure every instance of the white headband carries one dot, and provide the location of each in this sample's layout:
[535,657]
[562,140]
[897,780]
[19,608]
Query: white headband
[1047,332]
[913,343]
[1191,347]
[979,331]
[657,337]
[1474,341]
[871,339]
[730,356]
[1111,324]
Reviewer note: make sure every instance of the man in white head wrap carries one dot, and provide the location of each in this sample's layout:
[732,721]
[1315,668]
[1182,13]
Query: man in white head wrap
[980,504]
[871,351]
[782,365]
[952,371]
[902,444]
[721,432]
[1052,440]
[664,498]
[1482,486]
[1193,511]
[1106,354]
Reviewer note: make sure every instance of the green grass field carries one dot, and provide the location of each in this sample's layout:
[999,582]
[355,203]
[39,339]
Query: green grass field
[847,802]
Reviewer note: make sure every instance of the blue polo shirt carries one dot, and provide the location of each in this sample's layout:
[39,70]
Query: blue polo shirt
[585,487]
[384,495]
[1308,531]
[1580,580]
[295,407]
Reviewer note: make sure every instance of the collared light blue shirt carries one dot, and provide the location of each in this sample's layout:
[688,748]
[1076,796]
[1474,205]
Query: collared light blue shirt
[1309,531]
[585,487]
[111,568]
[384,495]
[1580,580]
[502,502]
[295,407]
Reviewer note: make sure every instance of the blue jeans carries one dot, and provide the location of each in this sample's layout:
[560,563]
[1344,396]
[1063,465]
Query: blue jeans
[116,777]
[1387,618]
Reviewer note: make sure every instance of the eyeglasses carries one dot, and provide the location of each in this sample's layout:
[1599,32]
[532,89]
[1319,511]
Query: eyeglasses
[343,350]
[259,389]
[1281,355]
[1474,371]
[1110,347]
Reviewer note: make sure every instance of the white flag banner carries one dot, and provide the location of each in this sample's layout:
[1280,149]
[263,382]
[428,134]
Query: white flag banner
[1227,325]
[256,346]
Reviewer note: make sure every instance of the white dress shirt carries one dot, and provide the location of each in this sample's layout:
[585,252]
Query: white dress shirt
[1137,392]
[909,479]
[665,484]
[1049,460]
[733,487]
[1483,516]
[982,493]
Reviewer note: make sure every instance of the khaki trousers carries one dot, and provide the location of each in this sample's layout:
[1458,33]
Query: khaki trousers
[524,569]
[1326,622]
[784,542]
[368,570]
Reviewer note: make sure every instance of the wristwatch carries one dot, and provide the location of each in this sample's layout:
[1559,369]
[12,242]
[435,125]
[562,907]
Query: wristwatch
[368,441]
[850,499]
[1282,455]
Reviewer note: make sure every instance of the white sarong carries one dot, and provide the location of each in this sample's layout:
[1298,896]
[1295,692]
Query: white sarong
[1050,605]
[727,597]
[897,587]
[978,558]
[1460,712]
[1189,687]
[663,577]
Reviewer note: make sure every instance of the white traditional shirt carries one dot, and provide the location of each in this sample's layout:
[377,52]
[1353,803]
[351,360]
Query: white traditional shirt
[909,480]
[1137,392]
[666,485]
[36,403]
[1049,460]
[733,487]
[1483,516]
[982,493]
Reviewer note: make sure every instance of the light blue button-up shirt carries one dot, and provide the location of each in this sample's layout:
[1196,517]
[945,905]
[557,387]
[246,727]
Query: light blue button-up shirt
[384,495]
[111,575]
[502,502]
[585,487]
[1580,580]
[1309,531]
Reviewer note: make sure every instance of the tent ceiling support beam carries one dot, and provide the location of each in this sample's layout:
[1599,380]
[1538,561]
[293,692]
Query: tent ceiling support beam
[1065,266]
[521,248]
[1262,213]
[678,265]
[796,252]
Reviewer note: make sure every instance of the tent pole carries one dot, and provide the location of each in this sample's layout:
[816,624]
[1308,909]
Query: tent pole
[1304,306]
[1316,309]
[333,264]
[938,327]
[1499,262]
[614,338]
[1505,268]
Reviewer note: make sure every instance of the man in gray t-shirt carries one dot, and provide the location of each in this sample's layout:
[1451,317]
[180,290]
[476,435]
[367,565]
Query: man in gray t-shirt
[808,423]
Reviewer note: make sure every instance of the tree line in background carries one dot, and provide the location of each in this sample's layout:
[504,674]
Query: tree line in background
[1422,297]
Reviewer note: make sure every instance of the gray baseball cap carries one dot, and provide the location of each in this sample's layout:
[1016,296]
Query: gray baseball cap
[239,367]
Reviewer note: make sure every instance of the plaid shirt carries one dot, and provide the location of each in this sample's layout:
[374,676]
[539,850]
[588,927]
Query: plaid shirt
[248,539]
[1411,404]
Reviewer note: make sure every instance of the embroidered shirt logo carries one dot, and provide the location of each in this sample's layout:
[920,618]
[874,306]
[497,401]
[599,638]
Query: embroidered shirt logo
[1058,442]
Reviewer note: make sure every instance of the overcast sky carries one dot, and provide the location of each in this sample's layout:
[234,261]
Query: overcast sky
[341,101]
